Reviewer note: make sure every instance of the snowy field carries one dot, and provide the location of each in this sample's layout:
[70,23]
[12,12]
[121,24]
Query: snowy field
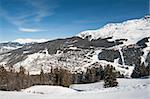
[127,89]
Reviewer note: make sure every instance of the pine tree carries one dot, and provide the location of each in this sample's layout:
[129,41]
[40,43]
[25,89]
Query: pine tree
[148,70]
[21,76]
[110,77]
[99,73]
[66,77]
[139,71]
[61,77]
[55,76]
[42,76]
[28,80]
[3,78]
[87,78]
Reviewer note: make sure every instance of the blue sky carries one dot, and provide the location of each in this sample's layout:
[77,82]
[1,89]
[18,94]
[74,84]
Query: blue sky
[51,19]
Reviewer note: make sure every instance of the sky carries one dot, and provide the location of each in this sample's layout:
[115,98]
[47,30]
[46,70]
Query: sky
[50,19]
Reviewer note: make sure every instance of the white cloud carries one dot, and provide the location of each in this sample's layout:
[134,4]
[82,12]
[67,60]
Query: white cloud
[29,40]
[30,30]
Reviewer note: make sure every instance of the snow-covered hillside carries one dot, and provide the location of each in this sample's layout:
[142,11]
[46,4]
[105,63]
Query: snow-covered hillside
[132,30]
[74,61]
[121,45]
[127,89]
[128,47]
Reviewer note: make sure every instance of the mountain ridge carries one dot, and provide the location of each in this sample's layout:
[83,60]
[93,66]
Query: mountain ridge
[132,30]
[84,50]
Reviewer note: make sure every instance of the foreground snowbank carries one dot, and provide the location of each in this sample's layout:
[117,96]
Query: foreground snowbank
[124,85]
[128,89]
[53,90]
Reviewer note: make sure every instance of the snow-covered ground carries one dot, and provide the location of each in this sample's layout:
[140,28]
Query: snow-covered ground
[127,89]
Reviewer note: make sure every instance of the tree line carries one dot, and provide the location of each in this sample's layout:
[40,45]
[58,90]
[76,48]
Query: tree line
[11,80]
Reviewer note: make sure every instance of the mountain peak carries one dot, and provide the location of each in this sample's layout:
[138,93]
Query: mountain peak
[147,17]
[132,30]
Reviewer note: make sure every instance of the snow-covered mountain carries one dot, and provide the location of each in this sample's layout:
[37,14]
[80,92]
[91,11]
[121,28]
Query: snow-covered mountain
[132,31]
[29,40]
[8,46]
[123,45]
[18,43]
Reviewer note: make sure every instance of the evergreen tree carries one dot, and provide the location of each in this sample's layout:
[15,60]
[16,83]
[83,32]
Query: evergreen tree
[99,73]
[3,78]
[90,75]
[139,71]
[28,80]
[87,78]
[21,77]
[55,76]
[148,70]
[11,79]
[42,76]
[110,77]
[66,77]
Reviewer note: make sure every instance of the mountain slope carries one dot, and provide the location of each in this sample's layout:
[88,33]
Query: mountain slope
[131,30]
[123,45]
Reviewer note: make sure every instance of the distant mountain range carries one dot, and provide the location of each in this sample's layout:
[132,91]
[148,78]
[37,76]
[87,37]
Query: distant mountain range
[123,45]
[18,43]
[8,46]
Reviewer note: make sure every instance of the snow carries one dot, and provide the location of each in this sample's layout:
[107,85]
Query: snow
[72,60]
[4,49]
[11,48]
[121,54]
[132,30]
[73,48]
[127,89]
[124,84]
[35,62]
[45,89]
[118,67]
[146,51]
[29,40]
[93,60]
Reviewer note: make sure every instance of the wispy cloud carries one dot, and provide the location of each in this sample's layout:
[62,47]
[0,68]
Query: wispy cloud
[30,30]
[31,16]
[11,19]
[43,8]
